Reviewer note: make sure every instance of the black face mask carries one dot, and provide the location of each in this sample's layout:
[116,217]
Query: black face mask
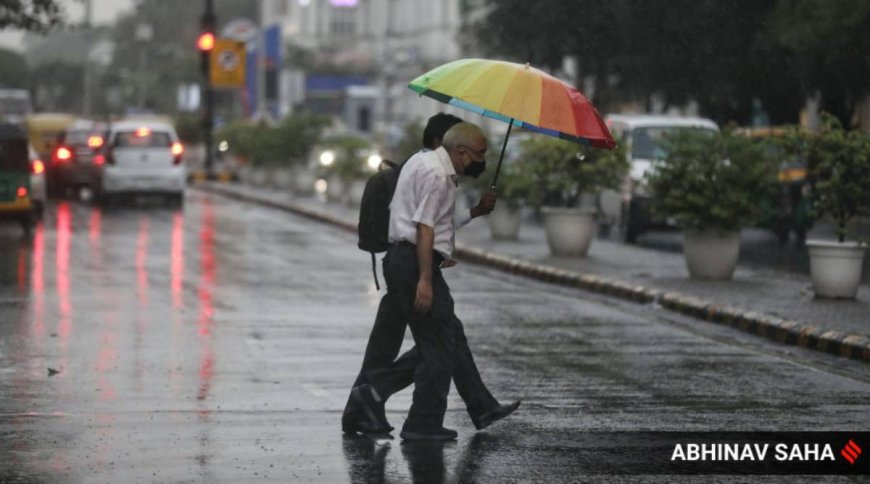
[475,169]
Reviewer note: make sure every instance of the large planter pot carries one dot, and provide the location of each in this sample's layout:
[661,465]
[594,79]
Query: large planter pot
[835,268]
[711,254]
[569,230]
[504,222]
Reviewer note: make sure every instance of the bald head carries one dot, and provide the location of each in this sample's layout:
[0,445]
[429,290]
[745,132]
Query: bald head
[465,134]
[466,145]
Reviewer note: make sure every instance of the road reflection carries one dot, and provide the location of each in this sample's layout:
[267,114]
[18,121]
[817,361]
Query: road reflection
[37,285]
[367,459]
[62,273]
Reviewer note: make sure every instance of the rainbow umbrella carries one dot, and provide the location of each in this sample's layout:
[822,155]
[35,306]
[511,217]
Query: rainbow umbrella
[519,95]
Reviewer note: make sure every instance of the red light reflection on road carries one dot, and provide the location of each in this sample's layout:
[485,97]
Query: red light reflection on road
[142,261]
[95,227]
[206,307]
[206,373]
[206,285]
[177,261]
[64,236]
[37,282]
[22,268]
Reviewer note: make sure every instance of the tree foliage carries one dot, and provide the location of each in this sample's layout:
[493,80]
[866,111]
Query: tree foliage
[711,181]
[560,172]
[839,166]
[33,15]
[13,70]
[170,54]
[734,57]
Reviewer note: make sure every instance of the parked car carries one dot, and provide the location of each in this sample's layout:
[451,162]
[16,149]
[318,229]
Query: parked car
[644,137]
[15,194]
[37,182]
[73,157]
[141,158]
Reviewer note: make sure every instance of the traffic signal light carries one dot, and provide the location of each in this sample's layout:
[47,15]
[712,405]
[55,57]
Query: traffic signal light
[205,41]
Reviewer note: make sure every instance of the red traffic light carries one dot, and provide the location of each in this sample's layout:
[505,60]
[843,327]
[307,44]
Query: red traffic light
[205,42]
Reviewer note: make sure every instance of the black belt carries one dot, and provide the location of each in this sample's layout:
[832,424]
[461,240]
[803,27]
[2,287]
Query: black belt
[438,257]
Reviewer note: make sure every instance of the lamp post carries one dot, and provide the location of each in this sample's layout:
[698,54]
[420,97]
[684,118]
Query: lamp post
[144,34]
[205,44]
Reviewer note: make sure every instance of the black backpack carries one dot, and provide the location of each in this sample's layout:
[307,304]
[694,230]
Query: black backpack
[374,212]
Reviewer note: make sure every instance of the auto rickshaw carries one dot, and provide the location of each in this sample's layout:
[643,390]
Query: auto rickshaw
[787,206]
[15,200]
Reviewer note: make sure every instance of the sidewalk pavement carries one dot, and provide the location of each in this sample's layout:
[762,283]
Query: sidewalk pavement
[771,303]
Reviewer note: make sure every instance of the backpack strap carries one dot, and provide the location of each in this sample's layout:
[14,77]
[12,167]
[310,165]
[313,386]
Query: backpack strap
[389,163]
[375,271]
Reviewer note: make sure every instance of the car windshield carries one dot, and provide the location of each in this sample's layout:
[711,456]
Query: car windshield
[80,136]
[648,143]
[142,139]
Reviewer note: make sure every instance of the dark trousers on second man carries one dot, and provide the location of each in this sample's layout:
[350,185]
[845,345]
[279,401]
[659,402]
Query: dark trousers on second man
[441,350]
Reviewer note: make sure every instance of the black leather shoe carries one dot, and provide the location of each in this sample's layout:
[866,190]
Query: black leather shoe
[440,434]
[372,409]
[494,415]
[357,426]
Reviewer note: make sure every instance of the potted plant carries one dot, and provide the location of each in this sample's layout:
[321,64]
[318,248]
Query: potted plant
[708,183]
[839,166]
[561,176]
[514,188]
[347,172]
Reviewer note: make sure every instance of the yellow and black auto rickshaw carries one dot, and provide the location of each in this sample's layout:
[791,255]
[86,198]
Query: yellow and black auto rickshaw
[15,202]
[786,208]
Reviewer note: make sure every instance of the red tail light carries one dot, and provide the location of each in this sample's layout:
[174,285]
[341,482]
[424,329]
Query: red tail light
[37,167]
[104,157]
[62,154]
[177,152]
[21,192]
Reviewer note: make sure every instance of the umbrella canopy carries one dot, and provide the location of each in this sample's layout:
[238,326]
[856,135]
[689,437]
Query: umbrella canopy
[519,95]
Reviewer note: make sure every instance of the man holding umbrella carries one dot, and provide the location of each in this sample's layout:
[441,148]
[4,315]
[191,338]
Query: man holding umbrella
[422,236]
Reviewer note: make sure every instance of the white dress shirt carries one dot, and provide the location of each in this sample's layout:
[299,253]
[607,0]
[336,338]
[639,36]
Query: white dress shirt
[426,194]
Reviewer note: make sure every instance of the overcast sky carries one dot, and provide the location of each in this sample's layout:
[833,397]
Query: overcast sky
[105,12]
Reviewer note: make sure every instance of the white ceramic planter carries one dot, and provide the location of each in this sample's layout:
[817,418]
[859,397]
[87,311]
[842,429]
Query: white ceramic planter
[711,254]
[569,230]
[835,268]
[504,222]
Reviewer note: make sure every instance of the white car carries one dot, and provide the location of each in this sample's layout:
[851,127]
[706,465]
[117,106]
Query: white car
[37,181]
[643,135]
[141,157]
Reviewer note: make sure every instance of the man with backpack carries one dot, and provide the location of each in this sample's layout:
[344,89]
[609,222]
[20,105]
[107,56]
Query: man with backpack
[445,349]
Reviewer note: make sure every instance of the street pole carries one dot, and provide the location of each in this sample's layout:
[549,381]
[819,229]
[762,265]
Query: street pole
[208,25]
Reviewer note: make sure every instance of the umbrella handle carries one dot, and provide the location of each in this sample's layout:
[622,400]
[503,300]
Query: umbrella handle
[501,156]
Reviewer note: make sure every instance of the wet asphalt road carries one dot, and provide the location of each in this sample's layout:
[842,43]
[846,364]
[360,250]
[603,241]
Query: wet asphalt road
[218,343]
